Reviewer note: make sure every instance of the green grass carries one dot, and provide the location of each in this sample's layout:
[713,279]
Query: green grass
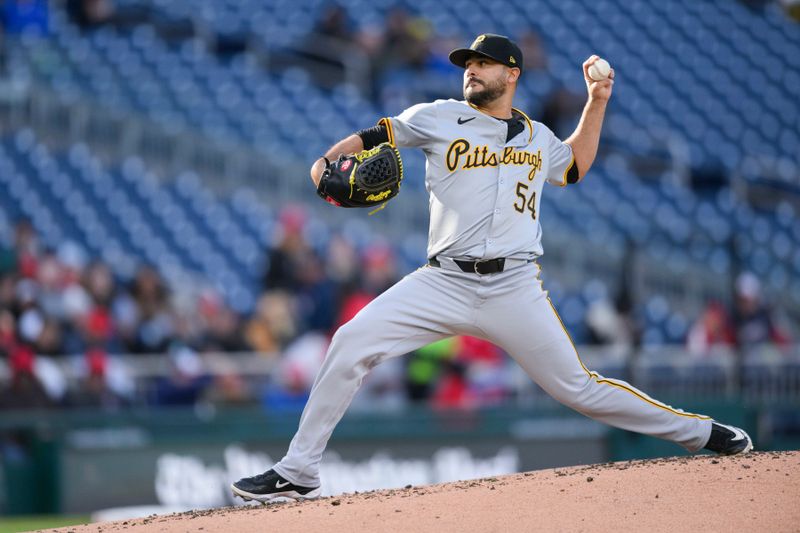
[32,523]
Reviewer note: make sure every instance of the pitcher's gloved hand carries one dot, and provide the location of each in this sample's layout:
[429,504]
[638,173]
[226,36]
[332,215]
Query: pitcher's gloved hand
[365,179]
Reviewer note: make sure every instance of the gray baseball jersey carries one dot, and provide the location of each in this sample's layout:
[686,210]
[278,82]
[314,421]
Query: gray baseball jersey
[484,202]
[484,191]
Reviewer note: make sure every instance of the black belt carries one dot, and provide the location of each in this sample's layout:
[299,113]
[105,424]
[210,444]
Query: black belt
[490,266]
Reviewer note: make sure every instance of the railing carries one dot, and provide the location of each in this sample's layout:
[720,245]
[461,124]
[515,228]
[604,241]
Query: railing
[660,150]
[765,181]
[328,59]
[683,285]
[766,375]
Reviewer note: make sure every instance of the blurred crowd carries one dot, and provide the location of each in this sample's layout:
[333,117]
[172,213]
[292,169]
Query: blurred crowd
[749,322]
[406,61]
[60,306]
[742,326]
[62,309]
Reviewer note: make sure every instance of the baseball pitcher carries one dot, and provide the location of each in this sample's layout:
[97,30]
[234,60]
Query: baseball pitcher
[487,165]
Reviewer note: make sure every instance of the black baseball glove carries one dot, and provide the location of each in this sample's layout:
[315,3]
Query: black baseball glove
[365,179]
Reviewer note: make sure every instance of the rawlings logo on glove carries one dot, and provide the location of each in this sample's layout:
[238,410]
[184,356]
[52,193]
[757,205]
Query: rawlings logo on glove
[364,179]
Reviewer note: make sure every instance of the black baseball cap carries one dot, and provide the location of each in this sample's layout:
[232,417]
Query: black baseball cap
[497,47]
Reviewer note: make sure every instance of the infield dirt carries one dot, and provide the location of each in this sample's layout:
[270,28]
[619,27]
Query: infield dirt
[756,492]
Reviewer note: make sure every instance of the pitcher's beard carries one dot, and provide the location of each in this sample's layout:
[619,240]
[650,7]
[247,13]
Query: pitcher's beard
[490,93]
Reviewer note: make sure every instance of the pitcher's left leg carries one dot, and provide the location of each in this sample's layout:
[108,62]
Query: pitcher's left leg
[520,319]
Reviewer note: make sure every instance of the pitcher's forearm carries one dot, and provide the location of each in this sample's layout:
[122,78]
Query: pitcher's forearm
[586,137]
[348,145]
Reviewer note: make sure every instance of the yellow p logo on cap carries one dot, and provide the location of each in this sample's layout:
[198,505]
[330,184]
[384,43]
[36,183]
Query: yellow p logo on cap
[477,41]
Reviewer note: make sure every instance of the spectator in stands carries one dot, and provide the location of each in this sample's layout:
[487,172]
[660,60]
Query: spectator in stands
[405,42]
[93,390]
[25,391]
[485,369]
[75,305]
[272,325]
[614,323]
[712,331]
[341,263]
[51,277]
[792,7]
[353,297]
[561,111]
[315,295]
[97,327]
[99,283]
[453,390]
[155,321]
[187,382]
[8,283]
[335,24]
[380,269]
[223,332]
[90,13]
[425,367]
[295,373]
[342,267]
[286,392]
[8,332]
[458,372]
[228,388]
[26,250]
[607,325]
[332,38]
[291,251]
[297,271]
[29,316]
[379,273]
[50,339]
[125,313]
[754,321]
[402,57]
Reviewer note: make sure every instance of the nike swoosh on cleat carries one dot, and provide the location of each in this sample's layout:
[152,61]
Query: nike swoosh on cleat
[279,485]
[465,120]
[739,434]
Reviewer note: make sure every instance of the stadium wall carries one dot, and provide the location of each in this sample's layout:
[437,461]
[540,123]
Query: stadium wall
[185,459]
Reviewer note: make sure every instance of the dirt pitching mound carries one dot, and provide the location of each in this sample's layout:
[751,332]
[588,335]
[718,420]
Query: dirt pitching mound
[755,492]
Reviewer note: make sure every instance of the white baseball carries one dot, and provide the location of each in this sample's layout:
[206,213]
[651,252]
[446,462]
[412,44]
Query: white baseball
[599,70]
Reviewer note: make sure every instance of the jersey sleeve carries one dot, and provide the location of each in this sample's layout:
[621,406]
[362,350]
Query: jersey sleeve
[415,127]
[562,169]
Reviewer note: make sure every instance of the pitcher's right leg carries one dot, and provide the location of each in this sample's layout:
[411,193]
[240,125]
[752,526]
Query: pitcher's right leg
[423,307]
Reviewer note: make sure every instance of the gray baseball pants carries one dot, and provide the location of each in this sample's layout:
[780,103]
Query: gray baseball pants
[510,309]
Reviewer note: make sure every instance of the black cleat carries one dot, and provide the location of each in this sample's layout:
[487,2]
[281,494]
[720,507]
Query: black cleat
[728,440]
[270,485]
